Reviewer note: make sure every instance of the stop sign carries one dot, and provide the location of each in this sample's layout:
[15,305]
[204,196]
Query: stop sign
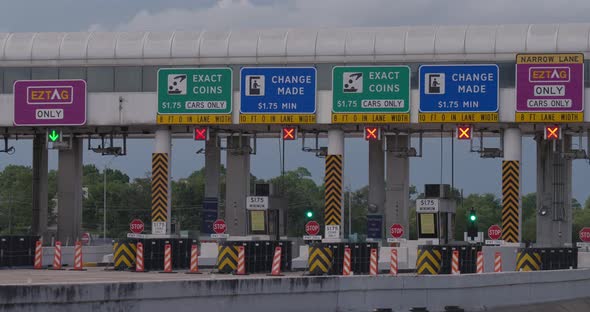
[136,226]
[396,230]
[494,232]
[585,234]
[312,228]
[85,238]
[219,226]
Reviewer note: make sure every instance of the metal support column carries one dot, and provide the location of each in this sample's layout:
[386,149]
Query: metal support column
[511,202]
[161,190]
[69,193]
[554,193]
[333,212]
[212,167]
[237,185]
[377,181]
[40,161]
[397,186]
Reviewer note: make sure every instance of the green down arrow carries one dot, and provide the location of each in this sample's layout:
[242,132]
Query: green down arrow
[53,136]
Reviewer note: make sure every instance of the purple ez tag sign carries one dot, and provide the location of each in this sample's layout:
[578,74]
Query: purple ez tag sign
[49,102]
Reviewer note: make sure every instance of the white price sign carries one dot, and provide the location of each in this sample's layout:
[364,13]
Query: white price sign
[427,205]
[257,202]
[332,231]
[159,228]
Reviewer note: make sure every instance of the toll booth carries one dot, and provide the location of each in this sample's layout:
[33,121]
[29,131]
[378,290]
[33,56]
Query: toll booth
[267,217]
[435,215]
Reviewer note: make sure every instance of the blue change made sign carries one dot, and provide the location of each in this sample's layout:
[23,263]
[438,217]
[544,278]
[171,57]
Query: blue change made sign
[278,90]
[459,88]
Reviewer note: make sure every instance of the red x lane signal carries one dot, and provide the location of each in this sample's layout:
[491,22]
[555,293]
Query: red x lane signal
[201,134]
[552,132]
[464,132]
[372,133]
[289,133]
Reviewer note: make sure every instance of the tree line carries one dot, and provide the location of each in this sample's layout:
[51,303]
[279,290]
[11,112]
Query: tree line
[131,198]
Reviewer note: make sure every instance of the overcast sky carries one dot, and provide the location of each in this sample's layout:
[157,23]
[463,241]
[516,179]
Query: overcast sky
[472,173]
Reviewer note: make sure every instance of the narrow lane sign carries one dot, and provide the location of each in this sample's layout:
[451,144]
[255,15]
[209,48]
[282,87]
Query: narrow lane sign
[194,95]
[371,94]
[459,93]
[550,87]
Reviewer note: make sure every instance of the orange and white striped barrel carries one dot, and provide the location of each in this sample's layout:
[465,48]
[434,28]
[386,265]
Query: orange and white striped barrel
[373,264]
[479,262]
[455,263]
[346,263]
[78,266]
[241,270]
[194,266]
[168,258]
[393,262]
[497,262]
[38,255]
[57,256]
[276,262]
[139,266]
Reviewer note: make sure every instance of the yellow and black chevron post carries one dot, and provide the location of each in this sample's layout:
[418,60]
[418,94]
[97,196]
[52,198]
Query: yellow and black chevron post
[124,255]
[333,192]
[428,260]
[159,187]
[320,259]
[510,200]
[227,258]
[528,260]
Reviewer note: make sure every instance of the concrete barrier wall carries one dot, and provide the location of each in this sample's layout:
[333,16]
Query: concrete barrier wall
[356,293]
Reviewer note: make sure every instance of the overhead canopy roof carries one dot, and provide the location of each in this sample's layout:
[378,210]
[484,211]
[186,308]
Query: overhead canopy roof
[419,43]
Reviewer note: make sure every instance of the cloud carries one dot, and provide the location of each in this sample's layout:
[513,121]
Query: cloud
[240,14]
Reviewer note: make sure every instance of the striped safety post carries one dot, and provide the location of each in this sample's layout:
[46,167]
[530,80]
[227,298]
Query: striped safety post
[455,263]
[194,265]
[276,263]
[346,266]
[38,255]
[167,258]
[241,269]
[373,265]
[393,262]
[498,262]
[57,256]
[479,262]
[78,265]
[139,264]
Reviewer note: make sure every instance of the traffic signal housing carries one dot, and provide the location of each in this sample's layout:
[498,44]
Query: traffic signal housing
[289,133]
[372,133]
[464,132]
[472,224]
[552,132]
[201,133]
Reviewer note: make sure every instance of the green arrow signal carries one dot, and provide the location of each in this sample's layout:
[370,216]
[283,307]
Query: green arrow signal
[53,136]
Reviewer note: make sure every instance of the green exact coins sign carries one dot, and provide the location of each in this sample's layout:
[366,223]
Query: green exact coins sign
[194,91]
[371,89]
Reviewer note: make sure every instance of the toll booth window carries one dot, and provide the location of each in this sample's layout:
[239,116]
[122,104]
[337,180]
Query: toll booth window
[586,74]
[324,76]
[13,74]
[507,74]
[44,73]
[128,79]
[72,73]
[149,79]
[101,79]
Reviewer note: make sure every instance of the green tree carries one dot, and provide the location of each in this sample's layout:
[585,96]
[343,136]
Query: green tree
[16,200]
